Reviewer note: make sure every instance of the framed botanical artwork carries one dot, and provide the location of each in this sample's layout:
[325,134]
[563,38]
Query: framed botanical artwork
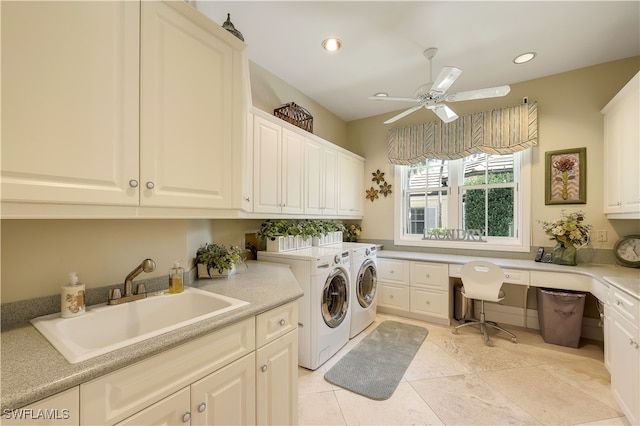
[566,176]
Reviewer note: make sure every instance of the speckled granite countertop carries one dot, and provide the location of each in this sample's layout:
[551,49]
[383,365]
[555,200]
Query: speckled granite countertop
[630,281]
[32,369]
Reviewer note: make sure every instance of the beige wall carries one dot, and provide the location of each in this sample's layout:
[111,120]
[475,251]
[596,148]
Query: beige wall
[269,92]
[569,116]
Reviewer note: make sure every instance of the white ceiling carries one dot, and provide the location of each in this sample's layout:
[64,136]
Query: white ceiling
[383,43]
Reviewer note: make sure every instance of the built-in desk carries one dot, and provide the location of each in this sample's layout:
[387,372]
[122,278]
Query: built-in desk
[413,284]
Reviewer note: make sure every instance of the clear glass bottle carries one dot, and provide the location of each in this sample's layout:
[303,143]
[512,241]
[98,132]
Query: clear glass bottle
[176,278]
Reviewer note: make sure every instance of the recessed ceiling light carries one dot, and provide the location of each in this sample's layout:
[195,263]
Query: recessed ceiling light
[381,94]
[525,57]
[332,44]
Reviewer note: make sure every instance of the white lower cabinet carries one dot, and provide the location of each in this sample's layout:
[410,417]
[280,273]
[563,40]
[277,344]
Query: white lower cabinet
[393,284]
[244,374]
[226,397]
[419,289]
[429,284]
[277,381]
[623,347]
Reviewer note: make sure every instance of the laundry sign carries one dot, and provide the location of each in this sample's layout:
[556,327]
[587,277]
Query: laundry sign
[445,234]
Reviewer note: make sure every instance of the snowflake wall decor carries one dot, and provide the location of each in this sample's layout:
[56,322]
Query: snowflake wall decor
[385,189]
[378,176]
[372,194]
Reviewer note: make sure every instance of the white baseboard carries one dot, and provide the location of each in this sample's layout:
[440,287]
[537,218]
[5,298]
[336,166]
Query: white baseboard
[512,315]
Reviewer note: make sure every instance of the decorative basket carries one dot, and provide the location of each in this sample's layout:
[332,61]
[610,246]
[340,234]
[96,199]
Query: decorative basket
[295,115]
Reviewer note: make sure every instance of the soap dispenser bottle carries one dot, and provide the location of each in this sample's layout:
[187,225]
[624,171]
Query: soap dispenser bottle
[72,298]
[176,278]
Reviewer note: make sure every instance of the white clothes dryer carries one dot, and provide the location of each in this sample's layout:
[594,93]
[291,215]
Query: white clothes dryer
[324,314]
[364,285]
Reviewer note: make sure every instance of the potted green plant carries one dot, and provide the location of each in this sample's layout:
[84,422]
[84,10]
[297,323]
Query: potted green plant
[215,260]
[277,235]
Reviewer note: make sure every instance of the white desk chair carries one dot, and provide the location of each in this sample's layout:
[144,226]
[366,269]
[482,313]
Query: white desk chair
[483,281]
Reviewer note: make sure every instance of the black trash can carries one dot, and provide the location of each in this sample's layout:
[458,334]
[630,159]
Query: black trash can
[560,316]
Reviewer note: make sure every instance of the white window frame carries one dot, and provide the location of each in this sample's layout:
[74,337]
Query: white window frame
[522,212]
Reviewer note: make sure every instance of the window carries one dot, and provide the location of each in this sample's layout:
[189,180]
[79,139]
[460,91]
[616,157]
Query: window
[484,195]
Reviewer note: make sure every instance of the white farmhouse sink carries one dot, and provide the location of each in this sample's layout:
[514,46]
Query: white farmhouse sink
[104,328]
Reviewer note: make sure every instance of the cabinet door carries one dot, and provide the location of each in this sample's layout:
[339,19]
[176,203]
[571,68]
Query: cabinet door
[277,381]
[320,179]
[64,407]
[172,410]
[70,80]
[625,365]
[226,397]
[292,172]
[267,170]
[188,124]
[350,194]
[622,152]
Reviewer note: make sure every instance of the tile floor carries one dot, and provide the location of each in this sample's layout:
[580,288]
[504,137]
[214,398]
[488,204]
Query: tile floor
[457,380]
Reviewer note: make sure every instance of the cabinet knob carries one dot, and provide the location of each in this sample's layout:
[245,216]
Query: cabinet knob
[391,296]
[202,407]
[186,417]
[506,275]
[133,183]
[264,368]
[618,302]
[427,275]
[150,185]
[428,302]
[391,271]
[247,199]
[282,322]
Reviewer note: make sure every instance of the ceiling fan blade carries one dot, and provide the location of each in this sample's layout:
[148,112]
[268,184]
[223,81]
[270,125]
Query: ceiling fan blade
[490,92]
[402,114]
[444,113]
[392,98]
[445,79]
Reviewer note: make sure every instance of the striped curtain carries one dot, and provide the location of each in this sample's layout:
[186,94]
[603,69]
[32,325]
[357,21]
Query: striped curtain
[500,131]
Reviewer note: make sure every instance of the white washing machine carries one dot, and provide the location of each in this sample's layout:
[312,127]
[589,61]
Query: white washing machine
[364,285]
[324,314]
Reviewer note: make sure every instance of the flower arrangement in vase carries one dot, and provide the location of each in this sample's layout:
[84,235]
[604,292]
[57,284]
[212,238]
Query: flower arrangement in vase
[570,234]
[352,232]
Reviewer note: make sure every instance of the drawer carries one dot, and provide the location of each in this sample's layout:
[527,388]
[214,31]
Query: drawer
[435,303]
[433,275]
[627,306]
[512,276]
[393,296]
[116,396]
[393,270]
[274,323]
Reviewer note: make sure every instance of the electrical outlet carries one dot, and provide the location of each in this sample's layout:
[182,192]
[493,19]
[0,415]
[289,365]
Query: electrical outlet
[602,236]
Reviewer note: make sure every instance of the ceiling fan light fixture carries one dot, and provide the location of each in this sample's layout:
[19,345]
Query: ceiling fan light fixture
[331,44]
[381,95]
[524,58]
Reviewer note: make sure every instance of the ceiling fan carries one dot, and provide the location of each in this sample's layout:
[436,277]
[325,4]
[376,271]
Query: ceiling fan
[432,95]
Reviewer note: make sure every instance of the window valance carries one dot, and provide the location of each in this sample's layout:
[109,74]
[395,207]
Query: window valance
[499,131]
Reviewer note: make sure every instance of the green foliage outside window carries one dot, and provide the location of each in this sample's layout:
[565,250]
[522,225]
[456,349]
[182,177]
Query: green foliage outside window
[500,202]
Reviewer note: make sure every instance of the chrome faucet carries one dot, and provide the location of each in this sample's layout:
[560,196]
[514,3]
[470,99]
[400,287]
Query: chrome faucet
[116,297]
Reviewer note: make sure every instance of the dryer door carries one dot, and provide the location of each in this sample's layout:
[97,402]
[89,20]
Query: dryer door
[335,298]
[367,283]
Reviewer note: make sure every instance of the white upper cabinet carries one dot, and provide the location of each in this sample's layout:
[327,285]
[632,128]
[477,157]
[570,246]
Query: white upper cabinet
[321,164]
[350,187]
[70,102]
[278,167]
[622,153]
[191,126]
[124,104]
